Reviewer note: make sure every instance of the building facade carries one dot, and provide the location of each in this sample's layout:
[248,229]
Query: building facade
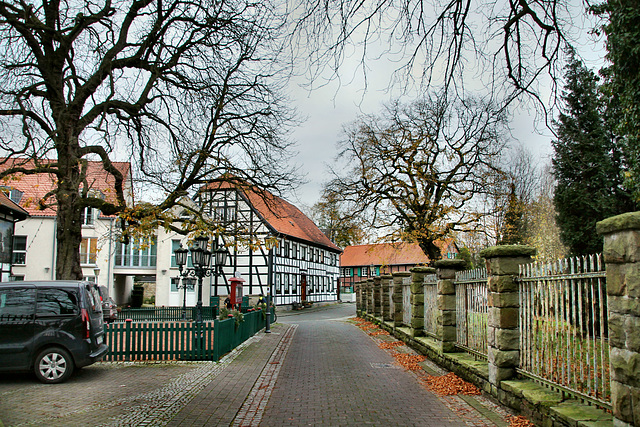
[361,262]
[273,246]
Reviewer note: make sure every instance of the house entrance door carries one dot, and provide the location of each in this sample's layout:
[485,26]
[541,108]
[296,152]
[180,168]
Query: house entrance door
[303,287]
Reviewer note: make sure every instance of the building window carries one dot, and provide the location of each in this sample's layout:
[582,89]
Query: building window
[19,250]
[286,249]
[294,251]
[137,254]
[175,282]
[175,244]
[303,252]
[294,284]
[15,196]
[16,278]
[278,283]
[88,250]
[364,272]
[286,283]
[88,216]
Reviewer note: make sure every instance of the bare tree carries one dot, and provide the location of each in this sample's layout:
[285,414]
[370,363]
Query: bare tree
[414,171]
[187,90]
[511,48]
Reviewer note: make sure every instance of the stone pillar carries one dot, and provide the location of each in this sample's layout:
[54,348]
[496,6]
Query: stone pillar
[398,279]
[385,282]
[417,299]
[369,285]
[503,333]
[357,288]
[622,257]
[377,297]
[446,327]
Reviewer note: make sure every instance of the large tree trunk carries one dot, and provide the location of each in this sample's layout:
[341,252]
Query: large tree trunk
[69,231]
[430,249]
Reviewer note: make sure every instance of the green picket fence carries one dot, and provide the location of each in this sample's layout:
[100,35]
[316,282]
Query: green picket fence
[165,314]
[166,341]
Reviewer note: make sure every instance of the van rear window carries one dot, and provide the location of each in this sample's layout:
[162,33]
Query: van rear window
[53,302]
[93,295]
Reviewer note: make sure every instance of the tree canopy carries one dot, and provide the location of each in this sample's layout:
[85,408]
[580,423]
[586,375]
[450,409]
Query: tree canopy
[186,90]
[586,164]
[413,171]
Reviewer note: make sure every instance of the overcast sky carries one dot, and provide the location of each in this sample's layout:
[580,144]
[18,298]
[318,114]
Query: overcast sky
[329,108]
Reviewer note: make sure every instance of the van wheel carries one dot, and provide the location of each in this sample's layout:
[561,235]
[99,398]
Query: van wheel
[53,365]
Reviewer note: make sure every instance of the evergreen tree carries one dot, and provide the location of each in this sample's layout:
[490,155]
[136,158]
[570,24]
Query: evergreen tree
[513,230]
[588,172]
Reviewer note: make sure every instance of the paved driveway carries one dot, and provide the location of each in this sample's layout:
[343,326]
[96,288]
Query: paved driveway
[117,389]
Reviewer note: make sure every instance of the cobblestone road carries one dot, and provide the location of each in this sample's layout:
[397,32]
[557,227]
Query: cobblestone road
[316,368]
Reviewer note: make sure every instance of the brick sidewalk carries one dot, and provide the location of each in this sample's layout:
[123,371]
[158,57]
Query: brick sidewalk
[218,403]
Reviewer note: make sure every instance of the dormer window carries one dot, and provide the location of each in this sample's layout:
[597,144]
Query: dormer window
[14,195]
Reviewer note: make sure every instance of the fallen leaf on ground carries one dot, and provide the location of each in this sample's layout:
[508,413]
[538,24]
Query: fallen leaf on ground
[519,421]
[450,385]
[409,361]
[390,345]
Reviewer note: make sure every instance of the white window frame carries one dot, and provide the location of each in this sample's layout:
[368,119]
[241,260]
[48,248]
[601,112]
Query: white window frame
[20,251]
[89,216]
[85,257]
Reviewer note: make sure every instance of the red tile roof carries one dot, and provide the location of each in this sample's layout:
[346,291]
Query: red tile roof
[281,215]
[401,253]
[36,186]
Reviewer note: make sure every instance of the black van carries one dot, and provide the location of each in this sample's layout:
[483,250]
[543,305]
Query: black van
[50,327]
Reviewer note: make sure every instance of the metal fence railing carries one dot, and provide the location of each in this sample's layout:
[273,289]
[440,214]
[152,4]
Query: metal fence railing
[156,314]
[392,305]
[563,326]
[430,304]
[472,311]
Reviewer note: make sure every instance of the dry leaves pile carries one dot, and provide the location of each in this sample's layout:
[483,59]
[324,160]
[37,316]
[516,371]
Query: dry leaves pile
[390,345]
[379,332]
[450,384]
[519,421]
[409,361]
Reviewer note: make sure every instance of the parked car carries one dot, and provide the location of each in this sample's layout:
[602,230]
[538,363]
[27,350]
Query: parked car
[109,307]
[50,328]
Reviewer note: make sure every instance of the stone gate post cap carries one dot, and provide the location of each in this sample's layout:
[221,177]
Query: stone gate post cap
[422,269]
[625,221]
[508,251]
[451,264]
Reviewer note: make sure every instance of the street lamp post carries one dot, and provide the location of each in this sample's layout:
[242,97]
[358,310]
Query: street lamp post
[201,259]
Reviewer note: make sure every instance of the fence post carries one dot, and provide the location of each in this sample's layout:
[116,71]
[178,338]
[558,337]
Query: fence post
[398,279]
[386,281]
[622,257]
[417,299]
[503,333]
[358,291]
[446,317]
[127,336]
[377,297]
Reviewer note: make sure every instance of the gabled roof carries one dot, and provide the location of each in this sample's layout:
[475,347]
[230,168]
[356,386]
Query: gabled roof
[36,186]
[283,217]
[7,206]
[401,253]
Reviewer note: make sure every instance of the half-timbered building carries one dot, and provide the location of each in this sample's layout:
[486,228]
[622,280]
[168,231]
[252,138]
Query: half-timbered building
[273,246]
